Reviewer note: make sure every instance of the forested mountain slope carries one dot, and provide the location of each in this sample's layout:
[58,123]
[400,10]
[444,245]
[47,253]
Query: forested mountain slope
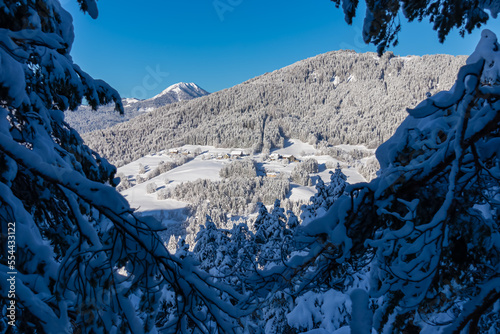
[416,250]
[339,97]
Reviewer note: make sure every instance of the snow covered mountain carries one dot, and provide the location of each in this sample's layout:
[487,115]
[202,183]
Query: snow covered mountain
[339,97]
[86,120]
[181,91]
[129,100]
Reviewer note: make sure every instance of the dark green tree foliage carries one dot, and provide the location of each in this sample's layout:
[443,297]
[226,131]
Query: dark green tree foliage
[382,18]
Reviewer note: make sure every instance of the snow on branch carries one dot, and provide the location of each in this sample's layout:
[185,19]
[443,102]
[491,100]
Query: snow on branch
[428,223]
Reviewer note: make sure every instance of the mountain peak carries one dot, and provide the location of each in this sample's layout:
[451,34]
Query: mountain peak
[182,91]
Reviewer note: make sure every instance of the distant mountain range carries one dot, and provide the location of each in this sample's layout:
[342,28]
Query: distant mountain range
[86,120]
[340,97]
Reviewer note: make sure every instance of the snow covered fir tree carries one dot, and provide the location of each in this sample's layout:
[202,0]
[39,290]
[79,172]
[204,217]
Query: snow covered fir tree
[424,235]
[417,249]
[82,262]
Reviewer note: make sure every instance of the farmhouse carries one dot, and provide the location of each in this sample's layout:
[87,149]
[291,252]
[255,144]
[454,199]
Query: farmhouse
[289,157]
[236,154]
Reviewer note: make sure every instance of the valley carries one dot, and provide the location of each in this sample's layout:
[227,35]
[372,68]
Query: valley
[336,98]
[166,148]
[344,193]
[152,194]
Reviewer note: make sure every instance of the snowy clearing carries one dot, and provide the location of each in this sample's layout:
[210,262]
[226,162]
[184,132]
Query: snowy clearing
[207,165]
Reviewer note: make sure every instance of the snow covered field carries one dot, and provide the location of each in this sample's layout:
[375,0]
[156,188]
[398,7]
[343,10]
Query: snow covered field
[207,164]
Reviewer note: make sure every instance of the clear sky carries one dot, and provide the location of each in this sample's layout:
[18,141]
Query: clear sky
[142,47]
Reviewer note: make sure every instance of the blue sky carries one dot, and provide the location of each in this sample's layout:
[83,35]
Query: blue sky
[140,48]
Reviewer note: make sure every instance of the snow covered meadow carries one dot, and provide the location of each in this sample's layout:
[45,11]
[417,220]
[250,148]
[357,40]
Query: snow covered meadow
[146,183]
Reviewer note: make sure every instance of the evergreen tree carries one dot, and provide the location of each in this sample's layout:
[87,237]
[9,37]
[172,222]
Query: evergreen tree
[172,244]
[182,248]
[242,248]
[272,236]
[293,221]
[336,188]
[75,235]
[325,196]
[275,313]
[278,217]
[212,248]
[261,224]
[427,229]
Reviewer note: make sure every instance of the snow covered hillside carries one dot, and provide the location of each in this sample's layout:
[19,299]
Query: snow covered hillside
[149,183]
[339,97]
[85,119]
